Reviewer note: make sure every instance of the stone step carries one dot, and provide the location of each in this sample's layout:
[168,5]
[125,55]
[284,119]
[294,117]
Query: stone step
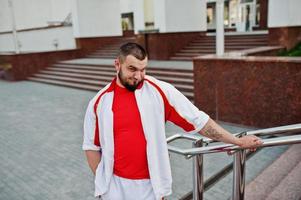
[192,51]
[200,45]
[95,68]
[234,40]
[183,58]
[189,54]
[77,75]
[265,183]
[66,84]
[101,56]
[212,44]
[289,188]
[197,45]
[107,50]
[83,71]
[82,84]
[97,56]
[203,43]
[73,80]
[111,50]
[95,81]
[109,76]
[212,50]
[206,45]
[104,53]
[110,70]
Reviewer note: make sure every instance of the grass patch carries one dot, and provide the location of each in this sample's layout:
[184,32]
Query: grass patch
[296,51]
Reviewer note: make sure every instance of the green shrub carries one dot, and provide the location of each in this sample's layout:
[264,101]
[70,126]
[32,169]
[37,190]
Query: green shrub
[296,51]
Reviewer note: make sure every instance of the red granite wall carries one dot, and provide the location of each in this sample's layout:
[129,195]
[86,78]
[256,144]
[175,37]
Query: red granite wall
[254,91]
[24,65]
[88,45]
[285,36]
[263,23]
[161,46]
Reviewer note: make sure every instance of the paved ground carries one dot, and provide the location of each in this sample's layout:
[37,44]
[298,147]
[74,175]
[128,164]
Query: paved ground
[40,145]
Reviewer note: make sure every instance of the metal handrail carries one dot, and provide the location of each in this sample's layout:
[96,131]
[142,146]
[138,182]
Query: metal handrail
[200,147]
[262,132]
[230,147]
[218,176]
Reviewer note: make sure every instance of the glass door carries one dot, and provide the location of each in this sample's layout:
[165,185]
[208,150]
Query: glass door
[246,16]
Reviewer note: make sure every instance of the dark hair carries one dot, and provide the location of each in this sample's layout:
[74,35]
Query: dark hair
[133,49]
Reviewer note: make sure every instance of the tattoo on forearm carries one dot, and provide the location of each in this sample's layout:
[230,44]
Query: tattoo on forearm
[212,133]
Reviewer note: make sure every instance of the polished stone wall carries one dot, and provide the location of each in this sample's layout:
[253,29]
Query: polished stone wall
[254,91]
[285,36]
[25,64]
[161,46]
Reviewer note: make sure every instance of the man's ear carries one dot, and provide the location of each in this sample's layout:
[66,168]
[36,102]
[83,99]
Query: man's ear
[117,65]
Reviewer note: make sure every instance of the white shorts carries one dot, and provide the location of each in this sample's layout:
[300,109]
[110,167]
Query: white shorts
[128,189]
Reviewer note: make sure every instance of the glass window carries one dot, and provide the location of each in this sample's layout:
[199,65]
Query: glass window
[246,1]
[226,14]
[257,17]
[209,15]
[233,12]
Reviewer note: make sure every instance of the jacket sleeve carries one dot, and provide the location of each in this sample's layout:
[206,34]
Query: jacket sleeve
[89,129]
[180,110]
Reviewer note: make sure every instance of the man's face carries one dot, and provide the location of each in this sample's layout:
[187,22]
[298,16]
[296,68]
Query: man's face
[131,72]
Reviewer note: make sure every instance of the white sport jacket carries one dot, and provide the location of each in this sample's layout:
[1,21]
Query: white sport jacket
[158,102]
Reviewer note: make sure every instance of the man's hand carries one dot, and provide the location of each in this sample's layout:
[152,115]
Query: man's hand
[93,158]
[249,142]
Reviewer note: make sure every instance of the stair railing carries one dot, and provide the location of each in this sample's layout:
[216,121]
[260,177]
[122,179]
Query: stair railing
[284,135]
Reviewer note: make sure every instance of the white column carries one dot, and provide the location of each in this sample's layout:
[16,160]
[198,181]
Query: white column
[220,46]
[13,22]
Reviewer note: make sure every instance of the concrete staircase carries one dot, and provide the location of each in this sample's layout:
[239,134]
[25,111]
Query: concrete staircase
[206,45]
[281,180]
[88,75]
[111,50]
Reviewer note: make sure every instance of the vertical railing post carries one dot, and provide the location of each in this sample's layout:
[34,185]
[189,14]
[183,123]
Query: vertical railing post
[198,184]
[239,166]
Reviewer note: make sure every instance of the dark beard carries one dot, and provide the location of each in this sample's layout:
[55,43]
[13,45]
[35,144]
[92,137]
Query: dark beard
[129,87]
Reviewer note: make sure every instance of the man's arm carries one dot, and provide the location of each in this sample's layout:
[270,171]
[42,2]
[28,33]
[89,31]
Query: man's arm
[93,158]
[213,131]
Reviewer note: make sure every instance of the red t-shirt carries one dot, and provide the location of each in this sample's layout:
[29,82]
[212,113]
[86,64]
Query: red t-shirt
[130,160]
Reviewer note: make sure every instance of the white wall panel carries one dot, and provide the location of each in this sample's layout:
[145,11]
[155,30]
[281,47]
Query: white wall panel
[7,43]
[40,40]
[60,9]
[284,13]
[96,18]
[189,15]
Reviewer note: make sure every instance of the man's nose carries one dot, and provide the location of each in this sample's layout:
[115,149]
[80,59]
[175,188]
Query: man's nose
[138,75]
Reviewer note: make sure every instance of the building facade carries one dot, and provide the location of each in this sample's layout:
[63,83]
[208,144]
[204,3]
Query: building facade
[50,25]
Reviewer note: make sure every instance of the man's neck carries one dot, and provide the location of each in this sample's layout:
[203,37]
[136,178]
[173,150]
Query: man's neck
[119,82]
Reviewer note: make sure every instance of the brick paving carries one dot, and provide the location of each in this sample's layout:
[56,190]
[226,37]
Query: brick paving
[40,142]
[40,145]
